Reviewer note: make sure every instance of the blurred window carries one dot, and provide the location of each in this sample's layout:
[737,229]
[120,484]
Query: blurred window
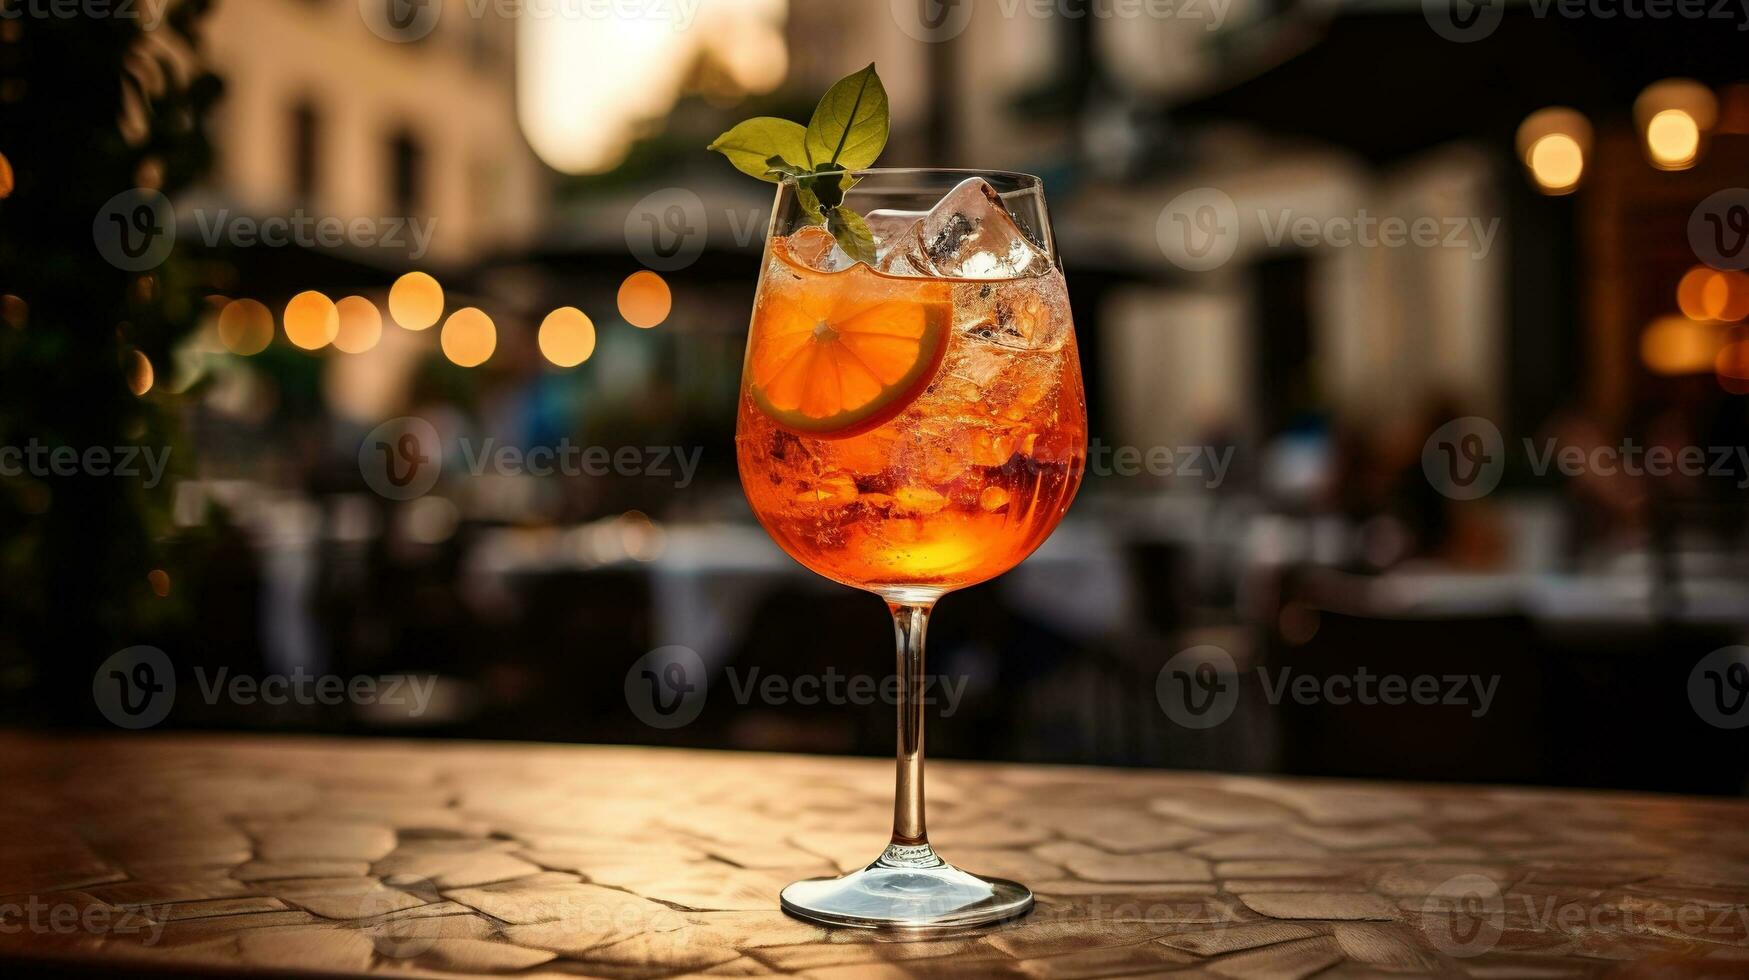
[306,150]
[406,172]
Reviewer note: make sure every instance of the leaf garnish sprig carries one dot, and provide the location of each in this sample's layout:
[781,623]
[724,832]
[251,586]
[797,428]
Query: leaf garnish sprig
[847,132]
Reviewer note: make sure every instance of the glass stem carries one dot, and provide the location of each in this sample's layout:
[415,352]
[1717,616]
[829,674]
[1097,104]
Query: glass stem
[910,620]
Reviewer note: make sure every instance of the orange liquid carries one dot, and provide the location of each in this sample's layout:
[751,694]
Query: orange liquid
[959,486]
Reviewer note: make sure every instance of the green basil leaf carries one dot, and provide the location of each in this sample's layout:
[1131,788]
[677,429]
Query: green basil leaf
[831,192]
[751,144]
[810,206]
[852,233]
[849,126]
[783,168]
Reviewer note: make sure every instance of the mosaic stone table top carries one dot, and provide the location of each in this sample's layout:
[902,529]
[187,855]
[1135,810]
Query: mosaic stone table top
[227,854]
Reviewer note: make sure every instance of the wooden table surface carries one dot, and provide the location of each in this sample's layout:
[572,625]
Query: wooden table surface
[346,857]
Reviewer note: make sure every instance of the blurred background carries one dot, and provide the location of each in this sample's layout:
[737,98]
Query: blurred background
[1302,240]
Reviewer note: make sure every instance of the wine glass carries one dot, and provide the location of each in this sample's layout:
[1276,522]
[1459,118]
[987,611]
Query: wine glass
[909,428]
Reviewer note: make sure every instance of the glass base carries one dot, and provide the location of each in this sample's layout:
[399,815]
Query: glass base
[907,888]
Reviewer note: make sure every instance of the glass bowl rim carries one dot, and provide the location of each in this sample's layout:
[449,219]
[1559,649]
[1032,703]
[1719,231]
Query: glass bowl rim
[1023,182]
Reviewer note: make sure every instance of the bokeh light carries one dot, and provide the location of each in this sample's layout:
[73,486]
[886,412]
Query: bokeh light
[5,176]
[14,311]
[1713,294]
[311,320]
[139,372]
[159,580]
[469,337]
[361,325]
[1673,117]
[416,301]
[1673,139]
[1557,162]
[567,337]
[1679,345]
[1732,364]
[644,299]
[1553,144]
[245,327]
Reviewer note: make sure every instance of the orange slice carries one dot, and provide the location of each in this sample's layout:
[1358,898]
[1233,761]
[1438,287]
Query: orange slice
[836,354]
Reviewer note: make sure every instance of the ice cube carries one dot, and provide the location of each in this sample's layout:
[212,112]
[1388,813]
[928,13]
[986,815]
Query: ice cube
[969,234]
[888,224]
[1029,314]
[814,247]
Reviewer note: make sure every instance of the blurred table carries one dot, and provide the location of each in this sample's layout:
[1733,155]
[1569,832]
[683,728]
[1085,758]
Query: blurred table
[268,855]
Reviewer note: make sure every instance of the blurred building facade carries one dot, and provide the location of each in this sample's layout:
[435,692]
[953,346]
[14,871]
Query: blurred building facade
[324,116]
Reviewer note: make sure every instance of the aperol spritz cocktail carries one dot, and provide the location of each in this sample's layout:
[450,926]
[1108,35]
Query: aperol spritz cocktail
[962,481]
[912,427]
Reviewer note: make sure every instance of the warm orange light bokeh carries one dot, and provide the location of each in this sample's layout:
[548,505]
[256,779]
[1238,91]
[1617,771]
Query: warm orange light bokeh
[1673,139]
[644,299]
[311,321]
[245,327]
[469,337]
[139,372]
[1713,294]
[361,325]
[5,176]
[1553,143]
[1679,345]
[416,301]
[567,337]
